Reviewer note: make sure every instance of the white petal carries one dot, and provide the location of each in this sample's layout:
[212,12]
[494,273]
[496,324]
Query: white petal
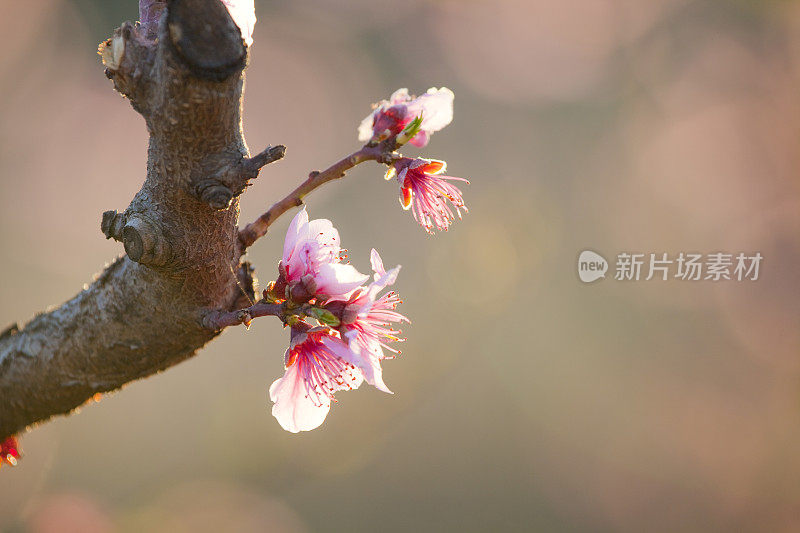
[437,108]
[400,96]
[365,128]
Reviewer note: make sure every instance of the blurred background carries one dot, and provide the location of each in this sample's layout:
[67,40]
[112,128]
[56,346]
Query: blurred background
[524,399]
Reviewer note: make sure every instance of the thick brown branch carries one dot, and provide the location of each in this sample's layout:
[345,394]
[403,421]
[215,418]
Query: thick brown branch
[145,312]
[382,153]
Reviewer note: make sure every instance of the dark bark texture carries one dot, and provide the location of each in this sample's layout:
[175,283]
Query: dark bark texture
[145,312]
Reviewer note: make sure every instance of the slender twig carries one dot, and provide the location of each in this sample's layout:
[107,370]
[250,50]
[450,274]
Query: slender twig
[382,153]
[269,155]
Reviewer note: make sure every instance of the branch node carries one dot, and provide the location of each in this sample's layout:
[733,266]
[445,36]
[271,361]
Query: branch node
[112,224]
[144,243]
[205,37]
[214,193]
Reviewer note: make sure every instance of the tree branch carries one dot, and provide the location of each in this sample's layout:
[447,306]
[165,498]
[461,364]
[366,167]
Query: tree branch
[145,312]
[382,153]
[217,320]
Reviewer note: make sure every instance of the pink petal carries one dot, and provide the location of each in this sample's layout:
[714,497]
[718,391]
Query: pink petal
[420,140]
[377,263]
[336,279]
[299,221]
[342,349]
[322,231]
[387,279]
[368,359]
[293,408]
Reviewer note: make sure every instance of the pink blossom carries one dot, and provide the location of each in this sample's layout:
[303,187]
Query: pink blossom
[391,116]
[365,323]
[426,192]
[312,255]
[315,370]
[243,13]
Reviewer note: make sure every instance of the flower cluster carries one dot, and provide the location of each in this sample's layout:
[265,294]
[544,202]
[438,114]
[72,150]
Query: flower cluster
[404,118]
[340,323]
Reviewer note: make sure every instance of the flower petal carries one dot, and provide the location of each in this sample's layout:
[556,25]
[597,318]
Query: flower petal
[436,108]
[336,279]
[299,222]
[342,349]
[434,166]
[322,231]
[377,263]
[365,128]
[294,409]
[420,140]
[406,197]
[367,356]
[400,96]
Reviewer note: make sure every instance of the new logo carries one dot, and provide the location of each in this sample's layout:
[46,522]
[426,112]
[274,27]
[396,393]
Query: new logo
[591,266]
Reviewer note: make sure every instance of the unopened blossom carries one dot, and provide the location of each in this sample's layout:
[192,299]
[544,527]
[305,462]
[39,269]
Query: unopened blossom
[315,370]
[432,198]
[9,451]
[366,322]
[312,256]
[391,116]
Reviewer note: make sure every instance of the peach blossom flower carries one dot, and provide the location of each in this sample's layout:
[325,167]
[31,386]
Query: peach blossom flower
[365,323]
[426,192]
[312,255]
[315,370]
[391,116]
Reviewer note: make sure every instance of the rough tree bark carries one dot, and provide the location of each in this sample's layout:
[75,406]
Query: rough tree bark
[145,312]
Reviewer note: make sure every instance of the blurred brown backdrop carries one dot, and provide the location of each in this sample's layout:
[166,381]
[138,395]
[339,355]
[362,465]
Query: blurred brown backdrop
[525,400]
